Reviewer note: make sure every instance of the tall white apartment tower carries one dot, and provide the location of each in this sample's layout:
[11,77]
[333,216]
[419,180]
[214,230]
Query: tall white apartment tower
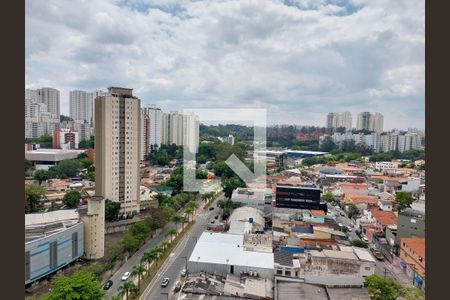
[345,120]
[191,126]
[117,148]
[175,128]
[377,121]
[81,106]
[50,97]
[152,119]
[165,129]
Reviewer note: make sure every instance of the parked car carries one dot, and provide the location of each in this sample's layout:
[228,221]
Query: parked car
[216,217]
[125,276]
[183,273]
[211,208]
[212,221]
[165,282]
[108,284]
[378,255]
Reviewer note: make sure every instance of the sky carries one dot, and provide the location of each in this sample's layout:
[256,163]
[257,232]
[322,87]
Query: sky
[298,59]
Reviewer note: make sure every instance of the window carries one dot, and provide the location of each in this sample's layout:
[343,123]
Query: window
[279,272]
[287,273]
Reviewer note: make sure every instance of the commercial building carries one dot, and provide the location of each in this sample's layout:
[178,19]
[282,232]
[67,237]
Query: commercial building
[52,241]
[117,148]
[46,158]
[410,223]
[81,106]
[65,139]
[412,259]
[255,198]
[224,253]
[298,196]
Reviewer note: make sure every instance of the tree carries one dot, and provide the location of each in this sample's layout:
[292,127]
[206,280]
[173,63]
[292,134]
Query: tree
[148,257]
[128,288]
[158,218]
[111,210]
[231,184]
[68,168]
[328,197]
[85,162]
[140,230]
[90,176]
[359,243]
[352,210]
[72,199]
[221,169]
[327,144]
[403,200]
[138,270]
[382,289]
[177,219]
[165,244]
[33,195]
[172,232]
[130,243]
[41,175]
[81,285]
[29,165]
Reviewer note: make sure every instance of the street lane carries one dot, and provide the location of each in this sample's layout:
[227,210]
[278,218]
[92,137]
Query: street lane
[177,259]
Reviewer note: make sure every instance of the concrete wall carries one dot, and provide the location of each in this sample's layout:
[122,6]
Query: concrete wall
[197,267]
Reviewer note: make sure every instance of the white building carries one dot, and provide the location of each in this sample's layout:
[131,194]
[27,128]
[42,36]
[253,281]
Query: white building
[191,127]
[81,106]
[255,198]
[335,120]
[386,165]
[117,148]
[151,132]
[224,253]
[50,97]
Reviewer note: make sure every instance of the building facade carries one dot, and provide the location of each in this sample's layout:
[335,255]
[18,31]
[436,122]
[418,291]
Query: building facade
[94,228]
[81,106]
[117,148]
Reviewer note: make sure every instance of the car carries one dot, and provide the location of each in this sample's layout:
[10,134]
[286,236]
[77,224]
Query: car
[212,221]
[165,282]
[211,208]
[183,272]
[108,284]
[349,229]
[125,276]
[365,239]
[216,217]
[378,255]
[340,224]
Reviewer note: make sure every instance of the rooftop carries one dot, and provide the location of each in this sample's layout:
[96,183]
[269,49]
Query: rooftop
[357,198]
[224,248]
[416,244]
[384,217]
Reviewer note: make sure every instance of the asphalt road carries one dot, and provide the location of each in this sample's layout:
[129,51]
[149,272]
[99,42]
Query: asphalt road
[134,260]
[344,220]
[177,259]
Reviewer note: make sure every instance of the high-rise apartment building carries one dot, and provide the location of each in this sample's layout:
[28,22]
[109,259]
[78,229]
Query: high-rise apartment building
[94,228]
[151,126]
[371,122]
[335,120]
[117,147]
[363,122]
[94,95]
[65,139]
[50,97]
[191,127]
[38,120]
[175,128]
[81,106]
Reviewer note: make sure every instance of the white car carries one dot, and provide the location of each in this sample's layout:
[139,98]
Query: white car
[125,276]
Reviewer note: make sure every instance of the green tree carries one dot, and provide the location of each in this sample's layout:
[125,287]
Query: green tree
[90,176]
[359,243]
[128,288]
[403,200]
[221,169]
[172,232]
[81,285]
[41,175]
[33,195]
[111,210]
[352,210]
[165,244]
[148,257]
[29,165]
[140,230]
[72,199]
[382,289]
[177,219]
[157,219]
[231,184]
[130,243]
[68,168]
[328,197]
[85,162]
[327,144]
[138,270]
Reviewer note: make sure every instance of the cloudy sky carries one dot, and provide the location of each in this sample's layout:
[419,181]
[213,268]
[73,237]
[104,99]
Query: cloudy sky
[299,59]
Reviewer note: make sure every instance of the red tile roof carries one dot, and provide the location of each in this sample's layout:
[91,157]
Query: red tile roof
[359,199]
[316,212]
[386,218]
[416,244]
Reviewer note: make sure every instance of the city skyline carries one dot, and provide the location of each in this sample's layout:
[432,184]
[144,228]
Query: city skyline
[191,55]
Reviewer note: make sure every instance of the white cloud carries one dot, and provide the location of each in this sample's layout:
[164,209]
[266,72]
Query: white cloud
[298,59]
